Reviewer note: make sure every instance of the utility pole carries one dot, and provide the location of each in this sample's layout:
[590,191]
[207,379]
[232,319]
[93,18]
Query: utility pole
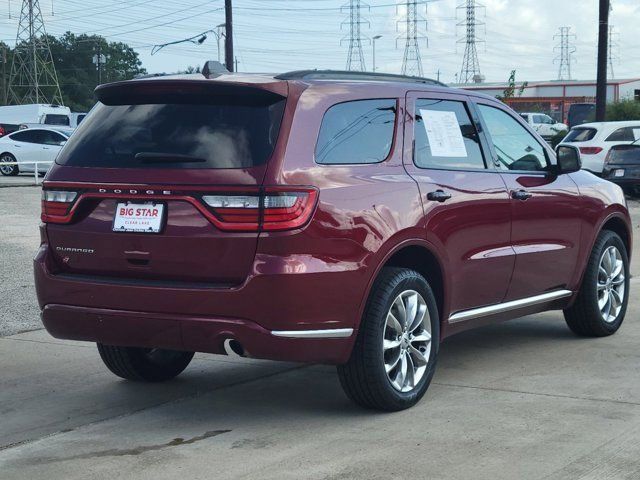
[99,60]
[219,34]
[4,75]
[355,56]
[603,50]
[566,50]
[228,43]
[614,50]
[377,37]
[470,71]
[411,61]
[33,77]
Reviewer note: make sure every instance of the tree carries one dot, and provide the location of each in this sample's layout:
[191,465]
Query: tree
[77,74]
[510,91]
[623,110]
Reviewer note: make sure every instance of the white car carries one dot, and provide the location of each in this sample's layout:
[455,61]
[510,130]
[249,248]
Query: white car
[546,126]
[596,139]
[29,146]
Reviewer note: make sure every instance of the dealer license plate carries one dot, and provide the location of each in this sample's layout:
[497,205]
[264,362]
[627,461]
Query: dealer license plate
[138,217]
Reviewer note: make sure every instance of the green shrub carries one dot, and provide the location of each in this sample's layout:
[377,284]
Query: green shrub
[623,110]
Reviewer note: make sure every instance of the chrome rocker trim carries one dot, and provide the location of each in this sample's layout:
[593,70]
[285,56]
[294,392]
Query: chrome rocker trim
[329,333]
[505,307]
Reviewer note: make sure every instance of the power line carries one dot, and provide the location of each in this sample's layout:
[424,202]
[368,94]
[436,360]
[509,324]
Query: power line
[470,71]
[566,49]
[355,56]
[411,61]
[33,77]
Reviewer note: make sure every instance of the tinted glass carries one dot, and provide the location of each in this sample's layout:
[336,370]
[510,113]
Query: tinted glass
[197,134]
[580,135]
[52,119]
[516,148]
[628,134]
[539,119]
[357,132]
[624,154]
[445,137]
[51,138]
[29,136]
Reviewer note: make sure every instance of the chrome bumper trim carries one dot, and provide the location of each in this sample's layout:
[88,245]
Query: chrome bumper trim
[329,333]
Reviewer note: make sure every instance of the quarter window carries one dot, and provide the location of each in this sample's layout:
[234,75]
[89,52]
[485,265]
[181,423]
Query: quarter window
[357,132]
[516,148]
[445,136]
[627,134]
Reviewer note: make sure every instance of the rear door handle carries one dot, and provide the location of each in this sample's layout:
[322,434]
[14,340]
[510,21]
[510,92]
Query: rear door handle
[438,196]
[520,195]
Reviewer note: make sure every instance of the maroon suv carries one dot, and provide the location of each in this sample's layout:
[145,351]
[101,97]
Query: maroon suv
[340,218]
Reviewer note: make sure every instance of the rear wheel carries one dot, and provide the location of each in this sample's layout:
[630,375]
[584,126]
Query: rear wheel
[395,354]
[144,364]
[602,300]
[8,170]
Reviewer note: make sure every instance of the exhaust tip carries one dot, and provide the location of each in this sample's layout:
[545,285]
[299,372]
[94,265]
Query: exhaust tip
[233,348]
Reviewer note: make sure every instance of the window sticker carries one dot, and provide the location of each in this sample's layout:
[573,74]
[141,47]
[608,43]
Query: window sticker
[443,131]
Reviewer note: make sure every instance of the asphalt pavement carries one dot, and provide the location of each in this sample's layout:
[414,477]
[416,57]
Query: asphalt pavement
[521,400]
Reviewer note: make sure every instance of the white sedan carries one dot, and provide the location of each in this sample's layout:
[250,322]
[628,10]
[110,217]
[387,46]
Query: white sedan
[29,146]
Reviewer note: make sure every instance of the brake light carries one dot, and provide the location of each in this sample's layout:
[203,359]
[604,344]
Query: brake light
[274,209]
[590,150]
[56,205]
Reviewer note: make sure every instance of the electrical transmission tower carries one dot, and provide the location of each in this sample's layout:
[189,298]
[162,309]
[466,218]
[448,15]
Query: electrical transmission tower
[412,62]
[33,76]
[614,50]
[470,71]
[566,49]
[355,57]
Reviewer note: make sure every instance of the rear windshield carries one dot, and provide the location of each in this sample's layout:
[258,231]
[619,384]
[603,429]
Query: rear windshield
[54,119]
[580,135]
[197,132]
[624,154]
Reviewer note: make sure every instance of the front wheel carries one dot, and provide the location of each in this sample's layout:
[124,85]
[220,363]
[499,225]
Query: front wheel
[8,170]
[394,357]
[144,364]
[602,300]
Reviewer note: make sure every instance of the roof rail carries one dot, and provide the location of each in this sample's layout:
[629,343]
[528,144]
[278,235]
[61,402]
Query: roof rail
[348,75]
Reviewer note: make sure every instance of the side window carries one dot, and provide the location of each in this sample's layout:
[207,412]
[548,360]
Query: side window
[517,149]
[628,134]
[28,136]
[357,132]
[51,138]
[445,137]
[538,119]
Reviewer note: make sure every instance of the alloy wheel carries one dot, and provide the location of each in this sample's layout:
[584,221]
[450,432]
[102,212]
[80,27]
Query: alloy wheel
[611,284]
[407,341]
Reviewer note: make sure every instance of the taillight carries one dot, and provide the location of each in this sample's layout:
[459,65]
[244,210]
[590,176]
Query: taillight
[607,159]
[56,205]
[274,209]
[590,150]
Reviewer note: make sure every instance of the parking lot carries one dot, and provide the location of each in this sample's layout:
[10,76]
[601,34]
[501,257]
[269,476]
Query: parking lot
[521,400]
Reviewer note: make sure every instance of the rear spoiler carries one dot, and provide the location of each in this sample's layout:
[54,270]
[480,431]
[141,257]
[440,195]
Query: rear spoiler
[135,92]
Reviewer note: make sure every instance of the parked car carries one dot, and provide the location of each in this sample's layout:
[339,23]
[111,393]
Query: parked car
[595,140]
[546,126]
[12,116]
[580,113]
[31,145]
[622,166]
[75,118]
[317,216]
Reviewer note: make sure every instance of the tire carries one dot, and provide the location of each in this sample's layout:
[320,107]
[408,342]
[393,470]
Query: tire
[364,377]
[8,170]
[144,364]
[586,317]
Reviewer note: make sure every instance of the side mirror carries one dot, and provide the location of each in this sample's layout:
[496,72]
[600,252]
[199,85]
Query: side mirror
[568,159]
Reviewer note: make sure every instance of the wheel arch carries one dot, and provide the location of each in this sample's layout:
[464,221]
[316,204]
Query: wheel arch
[616,224]
[417,255]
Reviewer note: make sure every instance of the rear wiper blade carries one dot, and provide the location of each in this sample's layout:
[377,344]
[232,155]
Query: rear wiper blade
[161,157]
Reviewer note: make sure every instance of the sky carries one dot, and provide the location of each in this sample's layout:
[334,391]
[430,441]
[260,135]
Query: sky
[283,35]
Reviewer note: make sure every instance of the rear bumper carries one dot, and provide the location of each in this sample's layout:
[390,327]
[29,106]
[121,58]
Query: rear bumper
[291,314]
[194,334]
